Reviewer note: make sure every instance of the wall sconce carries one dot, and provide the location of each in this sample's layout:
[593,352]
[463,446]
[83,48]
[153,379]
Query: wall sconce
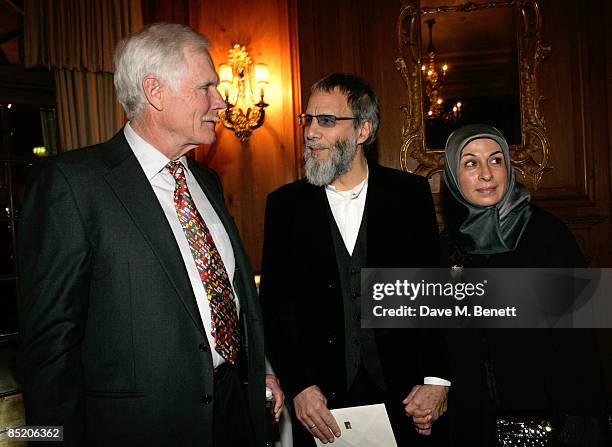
[242,114]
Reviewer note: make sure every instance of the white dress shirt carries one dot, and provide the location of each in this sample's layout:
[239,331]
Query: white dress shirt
[153,164]
[347,208]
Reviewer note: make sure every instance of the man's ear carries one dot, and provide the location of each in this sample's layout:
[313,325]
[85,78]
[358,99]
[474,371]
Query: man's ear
[364,132]
[153,91]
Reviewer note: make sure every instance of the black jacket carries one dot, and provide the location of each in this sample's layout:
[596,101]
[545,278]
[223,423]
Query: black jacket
[521,371]
[113,346]
[300,286]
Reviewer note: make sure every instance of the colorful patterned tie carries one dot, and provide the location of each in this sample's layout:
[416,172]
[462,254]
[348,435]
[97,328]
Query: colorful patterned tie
[225,328]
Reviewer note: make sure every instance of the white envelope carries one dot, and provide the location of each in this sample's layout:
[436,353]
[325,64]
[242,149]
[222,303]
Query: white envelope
[366,426]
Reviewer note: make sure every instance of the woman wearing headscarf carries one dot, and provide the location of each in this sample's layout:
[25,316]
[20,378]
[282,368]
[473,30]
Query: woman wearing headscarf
[504,378]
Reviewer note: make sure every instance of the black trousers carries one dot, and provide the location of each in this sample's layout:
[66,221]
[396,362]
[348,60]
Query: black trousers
[232,425]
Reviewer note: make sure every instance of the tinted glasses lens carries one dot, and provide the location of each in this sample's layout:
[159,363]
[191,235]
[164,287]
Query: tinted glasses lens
[326,120]
[304,120]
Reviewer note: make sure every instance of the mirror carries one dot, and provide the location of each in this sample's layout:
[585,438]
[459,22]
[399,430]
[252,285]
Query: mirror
[486,57]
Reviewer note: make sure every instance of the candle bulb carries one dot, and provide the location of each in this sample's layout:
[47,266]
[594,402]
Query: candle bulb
[262,77]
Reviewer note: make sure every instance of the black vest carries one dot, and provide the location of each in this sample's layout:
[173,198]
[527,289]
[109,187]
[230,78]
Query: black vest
[359,344]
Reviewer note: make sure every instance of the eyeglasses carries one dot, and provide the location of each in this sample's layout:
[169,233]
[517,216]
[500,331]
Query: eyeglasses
[324,120]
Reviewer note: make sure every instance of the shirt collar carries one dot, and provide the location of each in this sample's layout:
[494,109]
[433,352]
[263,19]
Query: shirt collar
[353,193]
[150,159]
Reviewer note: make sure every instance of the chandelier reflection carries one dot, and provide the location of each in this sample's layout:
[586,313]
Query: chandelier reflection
[433,78]
[242,114]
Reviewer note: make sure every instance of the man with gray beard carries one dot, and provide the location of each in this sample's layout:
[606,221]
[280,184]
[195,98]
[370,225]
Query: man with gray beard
[347,214]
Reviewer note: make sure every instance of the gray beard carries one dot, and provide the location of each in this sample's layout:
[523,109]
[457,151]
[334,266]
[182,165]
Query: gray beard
[338,163]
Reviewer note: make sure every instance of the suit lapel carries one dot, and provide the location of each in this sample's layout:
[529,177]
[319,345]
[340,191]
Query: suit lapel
[316,219]
[133,189]
[377,212]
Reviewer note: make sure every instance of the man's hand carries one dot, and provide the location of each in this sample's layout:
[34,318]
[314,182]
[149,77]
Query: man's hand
[279,397]
[311,410]
[425,404]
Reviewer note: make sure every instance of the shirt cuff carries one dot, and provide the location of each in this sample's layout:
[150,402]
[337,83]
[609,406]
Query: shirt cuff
[436,381]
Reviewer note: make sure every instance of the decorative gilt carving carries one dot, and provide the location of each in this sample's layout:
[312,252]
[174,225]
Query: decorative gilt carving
[532,157]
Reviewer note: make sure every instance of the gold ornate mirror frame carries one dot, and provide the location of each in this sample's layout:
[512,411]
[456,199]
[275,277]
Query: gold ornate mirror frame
[531,158]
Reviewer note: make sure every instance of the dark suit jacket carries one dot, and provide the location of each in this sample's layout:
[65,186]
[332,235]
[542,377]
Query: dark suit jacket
[113,346]
[300,288]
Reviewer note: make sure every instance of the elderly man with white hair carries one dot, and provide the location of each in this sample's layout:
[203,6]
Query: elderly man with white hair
[141,324]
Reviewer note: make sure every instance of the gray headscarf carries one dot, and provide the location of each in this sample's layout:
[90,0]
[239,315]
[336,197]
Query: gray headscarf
[486,229]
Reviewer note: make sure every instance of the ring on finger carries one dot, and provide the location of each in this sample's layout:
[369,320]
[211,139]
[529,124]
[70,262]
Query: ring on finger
[312,426]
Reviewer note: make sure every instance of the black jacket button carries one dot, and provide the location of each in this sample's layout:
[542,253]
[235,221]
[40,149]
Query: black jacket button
[206,399]
[203,347]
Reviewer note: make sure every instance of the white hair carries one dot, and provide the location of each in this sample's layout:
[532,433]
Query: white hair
[153,50]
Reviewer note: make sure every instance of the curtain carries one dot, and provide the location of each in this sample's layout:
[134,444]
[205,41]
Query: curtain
[88,110]
[76,39]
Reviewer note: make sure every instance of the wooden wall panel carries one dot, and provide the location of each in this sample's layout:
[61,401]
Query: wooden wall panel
[250,171]
[380,46]
[608,44]
[176,11]
[606,335]
[576,112]
[329,40]
[568,176]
